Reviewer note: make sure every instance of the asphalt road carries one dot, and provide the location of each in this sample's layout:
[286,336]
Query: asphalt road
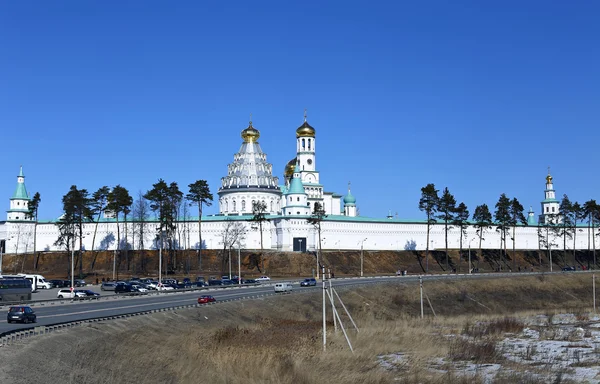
[61,311]
[66,310]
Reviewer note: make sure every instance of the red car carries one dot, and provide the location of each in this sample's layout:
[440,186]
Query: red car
[206,299]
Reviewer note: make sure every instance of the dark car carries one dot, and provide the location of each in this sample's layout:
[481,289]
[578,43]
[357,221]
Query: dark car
[568,268]
[79,283]
[308,282]
[124,288]
[57,283]
[206,299]
[249,281]
[21,313]
[88,292]
[215,282]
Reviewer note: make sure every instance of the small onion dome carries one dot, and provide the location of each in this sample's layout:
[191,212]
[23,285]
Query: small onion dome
[349,199]
[250,134]
[548,179]
[290,167]
[305,130]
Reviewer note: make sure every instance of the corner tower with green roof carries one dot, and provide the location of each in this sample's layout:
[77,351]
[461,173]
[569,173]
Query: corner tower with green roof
[19,202]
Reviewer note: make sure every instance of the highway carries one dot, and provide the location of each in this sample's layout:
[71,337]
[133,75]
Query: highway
[65,310]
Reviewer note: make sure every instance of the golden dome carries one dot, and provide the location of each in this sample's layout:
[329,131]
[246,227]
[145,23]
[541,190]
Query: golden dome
[305,130]
[289,168]
[250,134]
[548,179]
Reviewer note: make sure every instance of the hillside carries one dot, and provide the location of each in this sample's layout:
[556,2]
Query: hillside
[281,264]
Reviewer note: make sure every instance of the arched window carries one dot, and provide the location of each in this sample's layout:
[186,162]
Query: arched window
[271,205]
[243,205]
[226,205]
[233,205]
[303,144]
[309,144]
[297,198]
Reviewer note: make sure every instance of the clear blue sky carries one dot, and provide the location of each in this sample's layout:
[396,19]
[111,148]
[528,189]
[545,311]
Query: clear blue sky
[475,96]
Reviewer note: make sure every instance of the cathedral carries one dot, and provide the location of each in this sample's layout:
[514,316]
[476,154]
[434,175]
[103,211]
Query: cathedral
[287,205]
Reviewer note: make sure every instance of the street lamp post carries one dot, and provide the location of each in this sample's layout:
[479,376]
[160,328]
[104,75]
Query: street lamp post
[361,256]
[470,254]
[239,264]
[73,267]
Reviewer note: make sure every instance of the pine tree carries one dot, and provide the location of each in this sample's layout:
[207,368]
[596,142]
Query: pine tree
[516,217]
[428,204]
[483,222]
[502,216]
[446,209]
[199,194]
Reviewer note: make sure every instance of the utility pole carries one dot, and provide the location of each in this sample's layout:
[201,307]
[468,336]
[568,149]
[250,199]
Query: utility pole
[324,312]
[239,265]
[421,288]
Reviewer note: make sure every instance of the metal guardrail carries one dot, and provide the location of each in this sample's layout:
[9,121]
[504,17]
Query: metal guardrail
[13,336]
[34,303]
[16,335]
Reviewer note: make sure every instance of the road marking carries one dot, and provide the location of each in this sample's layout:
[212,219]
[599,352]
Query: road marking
[125,307]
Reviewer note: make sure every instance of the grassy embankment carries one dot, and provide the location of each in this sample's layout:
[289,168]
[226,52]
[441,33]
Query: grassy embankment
[278,339]
[282,264]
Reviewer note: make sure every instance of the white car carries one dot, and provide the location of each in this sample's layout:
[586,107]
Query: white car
[263,278]
[139,288]
[162,287]
[67,294]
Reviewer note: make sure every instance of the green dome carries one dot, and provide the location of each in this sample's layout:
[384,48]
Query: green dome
[349,199]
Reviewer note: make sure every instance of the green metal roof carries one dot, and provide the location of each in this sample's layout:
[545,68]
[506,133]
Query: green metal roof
[20,192]
[349,199]
[296,186]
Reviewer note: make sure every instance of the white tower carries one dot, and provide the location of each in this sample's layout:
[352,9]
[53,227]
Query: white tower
[550,206]
[349,204]
[19,202]
[296,201]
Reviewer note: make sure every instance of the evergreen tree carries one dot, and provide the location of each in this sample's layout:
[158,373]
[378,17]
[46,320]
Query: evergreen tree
[591,210]
[77,210]
[566,223]
[317,217]
[483,221]
[199,194]
[428,204]
[32,213]
[461,220]
[98,205]
[502,216]
[577,215]
[446,209]
[164,200]
[516,217]
[120,202]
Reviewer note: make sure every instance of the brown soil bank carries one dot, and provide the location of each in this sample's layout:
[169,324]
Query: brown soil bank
[293,264]
[278,339]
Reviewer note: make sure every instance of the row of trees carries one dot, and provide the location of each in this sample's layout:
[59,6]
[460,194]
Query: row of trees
[166,201]
[507,216]
[565,224]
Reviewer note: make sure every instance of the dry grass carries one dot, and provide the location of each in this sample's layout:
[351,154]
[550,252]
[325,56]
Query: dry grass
[279,340]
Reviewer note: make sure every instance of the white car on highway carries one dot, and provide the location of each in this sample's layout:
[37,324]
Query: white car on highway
[163,287]
[139,288]
[67,294]
[263,278]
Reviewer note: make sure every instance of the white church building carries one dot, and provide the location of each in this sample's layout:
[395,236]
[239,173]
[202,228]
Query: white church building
[289,204]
